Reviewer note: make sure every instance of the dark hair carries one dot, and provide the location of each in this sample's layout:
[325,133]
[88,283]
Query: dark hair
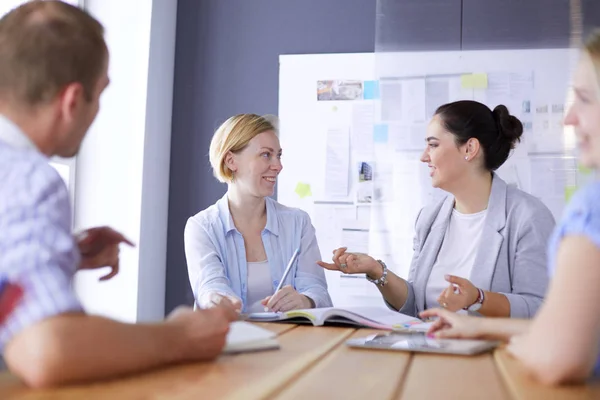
[497,131]
[46,45]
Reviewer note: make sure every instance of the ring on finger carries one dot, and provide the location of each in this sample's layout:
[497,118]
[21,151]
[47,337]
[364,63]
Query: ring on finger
[343,265]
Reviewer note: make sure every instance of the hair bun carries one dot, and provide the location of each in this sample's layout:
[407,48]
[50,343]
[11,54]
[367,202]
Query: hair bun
[509,126]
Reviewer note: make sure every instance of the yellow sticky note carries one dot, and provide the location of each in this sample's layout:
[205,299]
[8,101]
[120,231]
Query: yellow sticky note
[474,81]
[569,191]
[303,190]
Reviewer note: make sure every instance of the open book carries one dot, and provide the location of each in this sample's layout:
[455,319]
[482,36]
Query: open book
[370,317]
[244,337]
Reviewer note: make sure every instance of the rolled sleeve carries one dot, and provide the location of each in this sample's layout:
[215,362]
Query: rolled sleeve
[205,268]
[310,279]
[38,251]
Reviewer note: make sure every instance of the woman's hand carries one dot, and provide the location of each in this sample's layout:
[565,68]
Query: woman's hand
[353,263]
[452,325]
[460,294]
[214,299]
[286,299]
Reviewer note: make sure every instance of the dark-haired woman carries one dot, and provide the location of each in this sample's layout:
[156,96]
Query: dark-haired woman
[480,249]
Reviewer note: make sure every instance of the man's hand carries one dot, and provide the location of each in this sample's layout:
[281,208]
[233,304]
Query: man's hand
[203,332]
[99,247]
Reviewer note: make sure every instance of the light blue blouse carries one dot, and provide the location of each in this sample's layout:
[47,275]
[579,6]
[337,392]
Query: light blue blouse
[216,255]
[581,217]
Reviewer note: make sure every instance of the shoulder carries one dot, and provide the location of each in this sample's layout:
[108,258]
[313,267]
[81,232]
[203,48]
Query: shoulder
[205,221]
[524,206]
[287,214]
[582,214]
[428,214]
[28,178]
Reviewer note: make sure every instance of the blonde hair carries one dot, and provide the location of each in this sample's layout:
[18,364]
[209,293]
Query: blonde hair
[233,136]
[592,47]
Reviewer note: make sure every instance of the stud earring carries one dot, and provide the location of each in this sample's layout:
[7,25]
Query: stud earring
[466,158]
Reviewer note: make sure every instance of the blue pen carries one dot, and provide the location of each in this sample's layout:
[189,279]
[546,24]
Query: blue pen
[288,269]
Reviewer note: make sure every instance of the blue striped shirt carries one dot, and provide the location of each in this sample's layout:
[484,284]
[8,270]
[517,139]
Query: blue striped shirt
[216,255]
[37,249]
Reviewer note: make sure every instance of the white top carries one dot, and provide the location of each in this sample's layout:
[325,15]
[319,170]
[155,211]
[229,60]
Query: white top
[457,254]
[259,284]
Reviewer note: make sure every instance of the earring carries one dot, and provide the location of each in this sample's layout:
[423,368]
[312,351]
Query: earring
[232,176]
[466,158]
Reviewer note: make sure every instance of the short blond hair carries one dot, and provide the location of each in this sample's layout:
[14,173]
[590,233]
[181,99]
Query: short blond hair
[233,136]
[592,47]
[46,45]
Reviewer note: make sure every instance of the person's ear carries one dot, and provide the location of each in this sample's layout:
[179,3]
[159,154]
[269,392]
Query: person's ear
[230,161]
[472,149]
[71,98]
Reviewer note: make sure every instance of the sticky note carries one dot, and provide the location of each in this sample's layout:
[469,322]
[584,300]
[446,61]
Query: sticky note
[569,191]
[303,190]
[583,170]
[380,133]
[474,81]
[371,90]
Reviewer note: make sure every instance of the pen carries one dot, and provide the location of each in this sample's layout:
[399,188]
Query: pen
[288,269]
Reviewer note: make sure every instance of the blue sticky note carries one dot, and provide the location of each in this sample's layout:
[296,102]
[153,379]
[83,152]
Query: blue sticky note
[371,90]
[380,133]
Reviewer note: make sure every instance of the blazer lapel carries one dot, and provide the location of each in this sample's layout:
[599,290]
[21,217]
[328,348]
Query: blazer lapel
[491,238]
[430,249]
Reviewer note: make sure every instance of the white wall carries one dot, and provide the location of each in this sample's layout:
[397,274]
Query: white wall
[123,167]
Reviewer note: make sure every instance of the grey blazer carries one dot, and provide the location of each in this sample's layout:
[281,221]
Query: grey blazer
[512,255]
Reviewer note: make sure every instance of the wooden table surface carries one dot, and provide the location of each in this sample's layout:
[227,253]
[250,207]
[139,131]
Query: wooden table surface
[313,363]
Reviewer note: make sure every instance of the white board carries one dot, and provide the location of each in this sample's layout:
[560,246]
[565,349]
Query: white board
[370,115]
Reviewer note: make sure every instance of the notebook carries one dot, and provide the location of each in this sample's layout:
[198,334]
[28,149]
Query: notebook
[370,317]
[245,337]
[418,342]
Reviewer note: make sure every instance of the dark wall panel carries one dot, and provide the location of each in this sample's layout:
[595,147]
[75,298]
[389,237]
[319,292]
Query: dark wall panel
[226,62]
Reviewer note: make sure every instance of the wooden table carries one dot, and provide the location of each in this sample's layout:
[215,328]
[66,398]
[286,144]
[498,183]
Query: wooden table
[313,363]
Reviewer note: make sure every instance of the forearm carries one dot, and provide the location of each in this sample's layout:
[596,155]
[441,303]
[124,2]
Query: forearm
[77,347]
[395,291]
[503,328]
[495,305]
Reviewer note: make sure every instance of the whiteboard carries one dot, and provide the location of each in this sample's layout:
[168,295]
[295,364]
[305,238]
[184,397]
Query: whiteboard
[352,131]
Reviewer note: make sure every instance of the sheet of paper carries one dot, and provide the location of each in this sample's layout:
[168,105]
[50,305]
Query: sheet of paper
[363,122]
[550,179]
[356,240]
[437,92]
[337,164]
[413,100]
[474,81]
[391,100]
[408,136]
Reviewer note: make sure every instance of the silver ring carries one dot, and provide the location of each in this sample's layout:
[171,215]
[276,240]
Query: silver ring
[343,266]
[445,305]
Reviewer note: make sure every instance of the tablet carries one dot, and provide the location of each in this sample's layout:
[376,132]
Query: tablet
[420,343]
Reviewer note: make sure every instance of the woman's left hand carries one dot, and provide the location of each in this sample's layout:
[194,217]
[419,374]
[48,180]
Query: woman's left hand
[460,294]
[286,299]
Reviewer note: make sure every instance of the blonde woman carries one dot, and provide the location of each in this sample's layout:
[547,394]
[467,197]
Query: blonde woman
[562,343]
[239,247]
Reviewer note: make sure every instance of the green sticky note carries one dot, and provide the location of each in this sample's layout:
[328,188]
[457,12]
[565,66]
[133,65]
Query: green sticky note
[569,192]
[303,190]
[584,170]
[474,81]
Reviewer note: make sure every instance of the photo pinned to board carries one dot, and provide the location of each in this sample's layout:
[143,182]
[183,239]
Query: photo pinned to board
[364,192]
[332,90]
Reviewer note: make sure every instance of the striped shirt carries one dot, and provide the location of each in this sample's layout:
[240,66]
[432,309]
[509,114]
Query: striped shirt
[37,249]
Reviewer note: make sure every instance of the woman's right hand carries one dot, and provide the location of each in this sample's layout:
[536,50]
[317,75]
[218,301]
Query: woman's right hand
[214,299]
[353,263]
[454,326]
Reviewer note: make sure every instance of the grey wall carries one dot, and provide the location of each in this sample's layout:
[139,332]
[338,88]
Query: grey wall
[226,62]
